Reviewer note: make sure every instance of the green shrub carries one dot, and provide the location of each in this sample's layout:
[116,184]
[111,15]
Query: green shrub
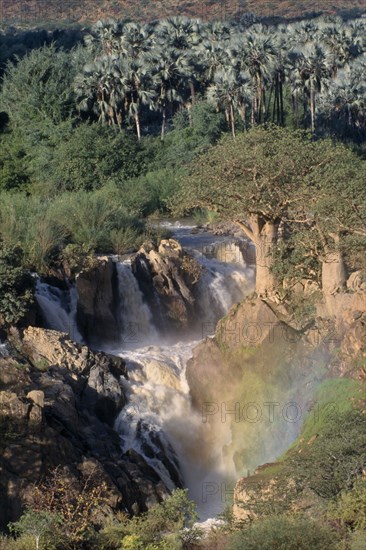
[95,221]
[16,285]
[43,528]
[335,458]
[86,158]
[203,215]
[166,526]
[350,507]
[30,223]
[282,533]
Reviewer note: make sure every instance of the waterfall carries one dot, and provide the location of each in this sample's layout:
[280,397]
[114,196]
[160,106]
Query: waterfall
[59,308]
[158,420]
[221,285]
[135,315]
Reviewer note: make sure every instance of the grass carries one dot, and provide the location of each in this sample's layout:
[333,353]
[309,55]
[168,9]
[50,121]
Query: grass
[334,396]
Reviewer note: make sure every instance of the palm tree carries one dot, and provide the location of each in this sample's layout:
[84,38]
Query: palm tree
[180,33]
[213,56]
[309,72]
[184,35]
[223,94]
[244,95]
[134,40]
[105,35]
[169,71]
[343,103]
[99,89]
[338,39]
[259,54]
[315,72]
[135,80]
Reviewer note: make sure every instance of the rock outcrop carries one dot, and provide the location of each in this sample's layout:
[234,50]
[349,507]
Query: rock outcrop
[167,276]
[58,404]
[97,299]
[261,356]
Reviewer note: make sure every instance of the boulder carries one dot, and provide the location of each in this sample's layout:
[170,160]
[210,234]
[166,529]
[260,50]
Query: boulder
[252,323]
[97,295]
[167,275]
[357,281]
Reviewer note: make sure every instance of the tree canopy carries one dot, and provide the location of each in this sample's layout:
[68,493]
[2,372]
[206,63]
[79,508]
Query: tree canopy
[274,182]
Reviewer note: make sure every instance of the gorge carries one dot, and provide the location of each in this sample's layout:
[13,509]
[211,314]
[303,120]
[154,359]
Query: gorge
[190,438]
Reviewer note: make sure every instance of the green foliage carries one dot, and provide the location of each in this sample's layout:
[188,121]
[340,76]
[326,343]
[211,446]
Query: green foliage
[95,221]
[283,533]
[256,173]
[333,396]
[45,229]
[350,506]
[165,526]
[204,215]
[14,169]
[87,157]
[44,527]
[30,223]
[150,193]
[36,91]
[16,285]
[335,458]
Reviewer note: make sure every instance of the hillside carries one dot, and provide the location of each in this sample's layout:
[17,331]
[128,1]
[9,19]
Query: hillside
[32,11]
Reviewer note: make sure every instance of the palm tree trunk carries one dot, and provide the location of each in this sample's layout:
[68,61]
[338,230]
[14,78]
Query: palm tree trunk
[259,99]
[305,104]
[254,108]
[278,108]
[295,110]
[242,111]
[163,124]
[312,109]
[193,92]
[137,122]
[232,118]
[227,117]
[189,111]
[282,115]
[275,103]
[269,100]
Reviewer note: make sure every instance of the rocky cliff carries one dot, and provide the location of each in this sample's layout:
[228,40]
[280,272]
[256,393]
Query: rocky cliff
[58,403]
[167,276]
[264,353]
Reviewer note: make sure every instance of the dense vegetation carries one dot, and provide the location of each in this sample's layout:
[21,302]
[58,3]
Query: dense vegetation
[98,138]
[300,201]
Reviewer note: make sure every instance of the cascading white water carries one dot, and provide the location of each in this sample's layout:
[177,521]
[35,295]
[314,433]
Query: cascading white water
[58,308]
[158,420]
[221,285]
[135,315]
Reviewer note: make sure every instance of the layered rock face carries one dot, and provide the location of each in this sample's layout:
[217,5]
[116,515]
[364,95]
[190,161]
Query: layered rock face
[58,403]
[167,276]
[261,353]
[97,298]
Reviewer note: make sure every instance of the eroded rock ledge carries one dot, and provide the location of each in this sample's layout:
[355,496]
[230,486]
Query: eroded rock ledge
[58,403]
